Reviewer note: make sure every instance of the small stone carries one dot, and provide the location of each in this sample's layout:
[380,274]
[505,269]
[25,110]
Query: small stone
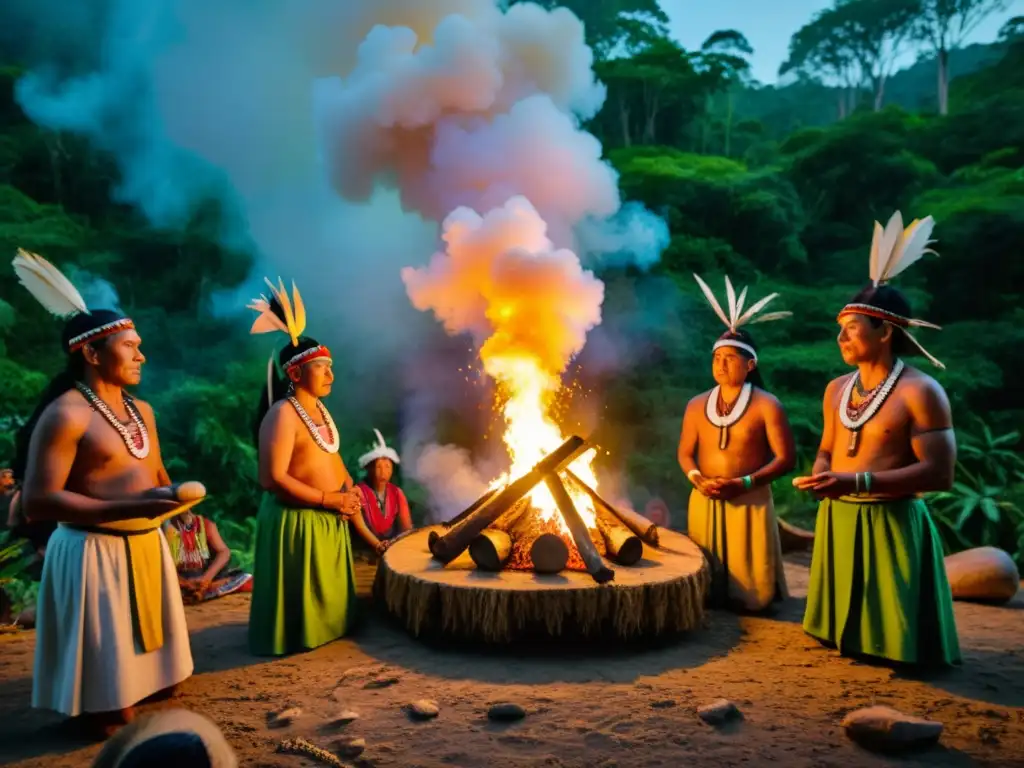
[885,729]
[343,719]
[506,712]
[285,717]
[381,682]
[718,712]
[663,704]
[349,748]
[423,709]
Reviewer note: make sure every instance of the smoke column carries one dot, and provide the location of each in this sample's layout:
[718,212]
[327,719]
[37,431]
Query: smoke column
[351,139]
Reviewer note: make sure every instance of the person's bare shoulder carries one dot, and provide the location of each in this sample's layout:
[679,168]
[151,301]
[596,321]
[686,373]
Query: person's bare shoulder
[697,401]
[70,410]
[835,386]
[924,396]
[765,402]
[281,416]
[146,411]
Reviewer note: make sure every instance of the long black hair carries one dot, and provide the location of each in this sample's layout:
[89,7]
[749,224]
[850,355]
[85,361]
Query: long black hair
[742,336]
[280,384]
[890,299]
[74,370]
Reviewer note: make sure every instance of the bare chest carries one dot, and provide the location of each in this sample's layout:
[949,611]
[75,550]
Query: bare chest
[313,465]
[105,467]
[882,441]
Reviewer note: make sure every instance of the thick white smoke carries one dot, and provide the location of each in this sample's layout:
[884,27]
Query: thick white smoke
[303,115]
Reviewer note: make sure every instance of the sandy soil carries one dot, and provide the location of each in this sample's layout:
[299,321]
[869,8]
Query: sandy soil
[610,707]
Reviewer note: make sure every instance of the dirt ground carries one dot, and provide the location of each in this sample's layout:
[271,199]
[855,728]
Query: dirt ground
[603,707]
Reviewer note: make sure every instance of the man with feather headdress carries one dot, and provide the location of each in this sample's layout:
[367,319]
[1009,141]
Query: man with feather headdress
[735,441]
[110,623]
[878,581]
[303,574]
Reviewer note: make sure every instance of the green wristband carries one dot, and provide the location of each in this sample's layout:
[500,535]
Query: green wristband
[867,482]
[748,482]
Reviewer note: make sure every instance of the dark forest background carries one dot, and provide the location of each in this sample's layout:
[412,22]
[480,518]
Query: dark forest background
[778,186]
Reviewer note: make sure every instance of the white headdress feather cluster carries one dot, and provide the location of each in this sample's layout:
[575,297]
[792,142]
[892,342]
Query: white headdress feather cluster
[48,285]
[293,322]
[894,248]
[737,317]
[380,451]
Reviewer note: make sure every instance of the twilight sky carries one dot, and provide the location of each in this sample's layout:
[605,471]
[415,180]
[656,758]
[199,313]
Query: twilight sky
[768,25]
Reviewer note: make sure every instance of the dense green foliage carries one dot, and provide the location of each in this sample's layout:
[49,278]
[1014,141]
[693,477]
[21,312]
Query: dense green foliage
[760,183]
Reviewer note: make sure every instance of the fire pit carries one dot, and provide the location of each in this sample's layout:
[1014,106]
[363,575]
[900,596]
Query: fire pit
[509,566]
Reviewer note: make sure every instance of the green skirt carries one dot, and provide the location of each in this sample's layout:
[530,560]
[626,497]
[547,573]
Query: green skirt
[878,583]
[303,581]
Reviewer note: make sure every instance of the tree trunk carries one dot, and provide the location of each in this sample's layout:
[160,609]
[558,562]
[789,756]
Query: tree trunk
[943,73]
[842,104]
[650,123]
[728,123]
[879,92]
[624,122]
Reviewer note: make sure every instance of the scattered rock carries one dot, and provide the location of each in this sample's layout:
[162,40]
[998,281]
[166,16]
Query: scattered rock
[885,729]
[986,574]
[506,712]
[343,719]
[423,709]
[381,682]
[349,748]
[718,712]
[663,704]
[27,618]
[285,717]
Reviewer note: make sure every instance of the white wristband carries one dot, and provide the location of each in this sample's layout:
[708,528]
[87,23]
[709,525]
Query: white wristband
[692,473]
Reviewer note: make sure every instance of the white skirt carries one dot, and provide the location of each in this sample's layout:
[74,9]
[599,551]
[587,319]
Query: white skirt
[86,655]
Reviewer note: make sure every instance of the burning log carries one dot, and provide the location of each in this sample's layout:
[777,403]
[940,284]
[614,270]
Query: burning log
[472,508]
[446,548]
[549,553]
[624,546]
[536,546]
[580,533]
[490,550]
[637,523]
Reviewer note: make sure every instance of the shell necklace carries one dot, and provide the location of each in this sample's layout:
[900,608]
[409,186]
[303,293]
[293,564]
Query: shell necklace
[862,415]
[732,415]
[138,451]
[314,431]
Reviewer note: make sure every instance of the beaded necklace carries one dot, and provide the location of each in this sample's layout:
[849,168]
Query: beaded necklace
[732,413]
[139,451]
[854,417]
[332,432]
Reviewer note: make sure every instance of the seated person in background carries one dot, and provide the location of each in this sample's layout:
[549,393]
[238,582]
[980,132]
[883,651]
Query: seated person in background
[201,557]
[657,512]
[384,507]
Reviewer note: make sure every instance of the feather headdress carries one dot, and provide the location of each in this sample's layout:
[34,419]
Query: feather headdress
[738,316]
[380,451]
[894,249]
[59,297]
[278,313]
[48,285]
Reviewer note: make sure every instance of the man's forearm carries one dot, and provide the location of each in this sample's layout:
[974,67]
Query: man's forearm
[822,462]
[917,478]
[217,565]
[773,470]
[296,492]
[71,507]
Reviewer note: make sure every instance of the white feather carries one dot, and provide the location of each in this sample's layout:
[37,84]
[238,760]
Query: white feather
[914,245]
[712,300]
[755,308]
[739,303]
[380,439]
[892,244]
[876,244]
[48,285]
[767,318]
[730,294]
[270,380]
[267,321]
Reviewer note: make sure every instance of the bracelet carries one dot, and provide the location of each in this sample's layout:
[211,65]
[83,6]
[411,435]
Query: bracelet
[856,482]
[748,482]
[867,482]
[692,473]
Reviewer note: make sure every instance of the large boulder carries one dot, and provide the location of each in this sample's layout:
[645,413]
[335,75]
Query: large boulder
[983,574]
